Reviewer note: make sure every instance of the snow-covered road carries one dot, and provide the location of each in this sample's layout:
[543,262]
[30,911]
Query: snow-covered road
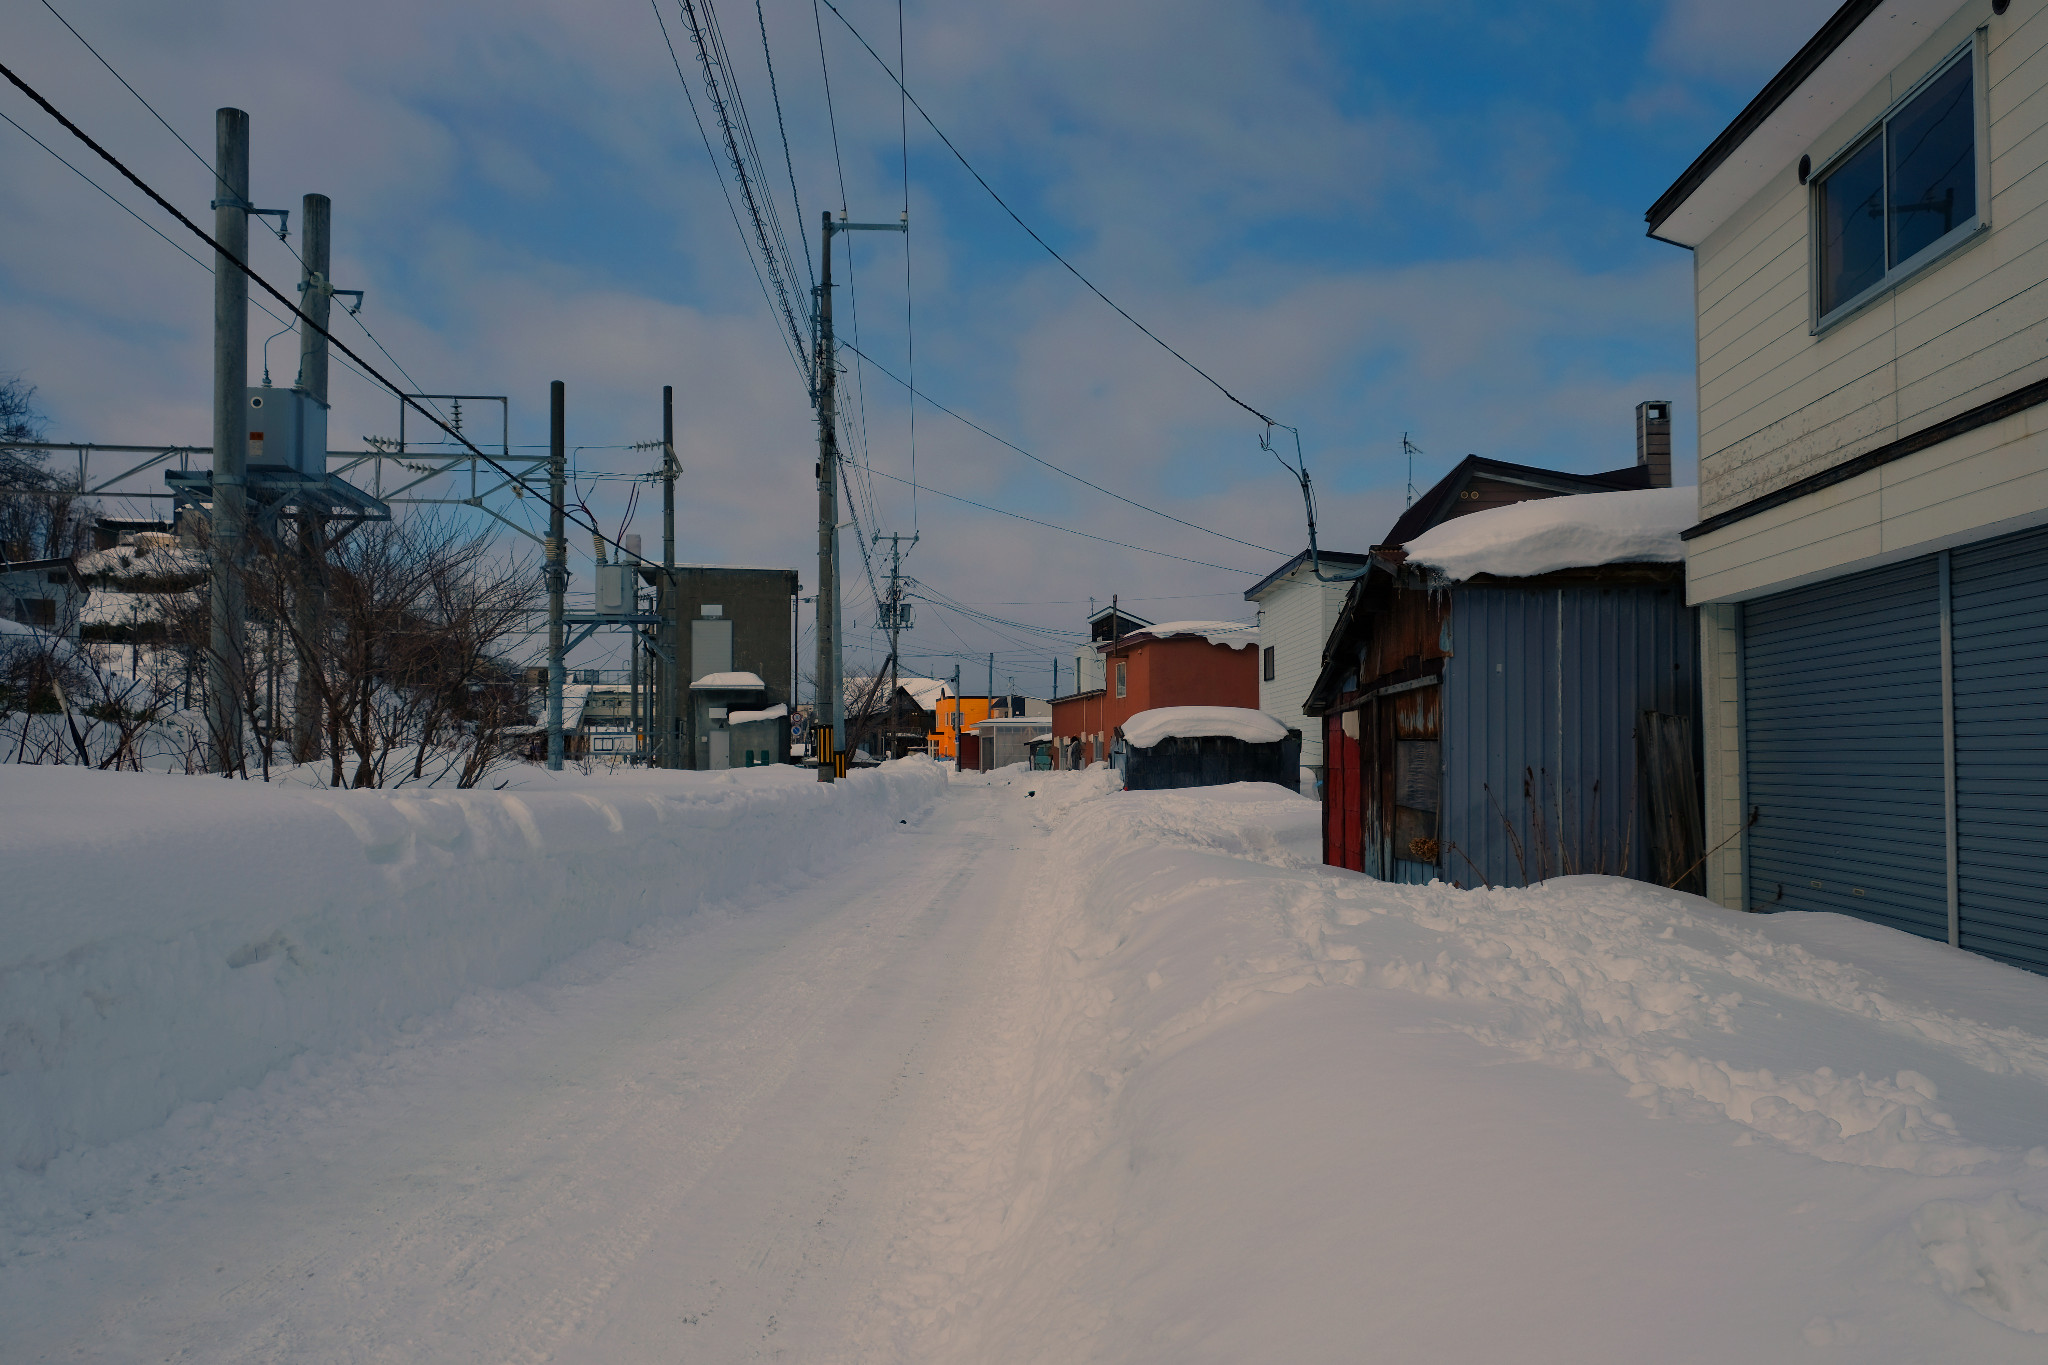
[1052,1073]
[684,1151]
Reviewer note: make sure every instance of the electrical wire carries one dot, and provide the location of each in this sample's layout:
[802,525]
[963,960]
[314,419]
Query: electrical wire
[789,162]
[116,202]
[1029,230]
[238,263]
[1068,473]
[741,152]
[795,356]
[909,326]
[210,170]
[1054,526]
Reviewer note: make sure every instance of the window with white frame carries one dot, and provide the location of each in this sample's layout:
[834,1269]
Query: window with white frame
[1901,194]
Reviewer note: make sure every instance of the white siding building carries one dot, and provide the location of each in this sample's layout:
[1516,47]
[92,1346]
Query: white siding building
[1297,612]
[1870,250]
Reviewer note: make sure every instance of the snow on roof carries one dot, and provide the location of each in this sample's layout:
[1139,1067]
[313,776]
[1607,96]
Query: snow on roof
[1147,728]
[1544,535]
[775,712]
[1232,634]
[714,681]
[926,691]
[574,698]
[143,562]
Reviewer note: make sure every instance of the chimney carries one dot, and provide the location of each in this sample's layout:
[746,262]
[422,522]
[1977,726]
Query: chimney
[1653,440]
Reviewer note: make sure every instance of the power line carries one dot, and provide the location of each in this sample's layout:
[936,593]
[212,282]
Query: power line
[238,263]
[802,369]
[197,156]
[789,162]
[1032,233]
[138,95]
[916,394]
[1054,526]
[909,327]
[741,153]
[116,202]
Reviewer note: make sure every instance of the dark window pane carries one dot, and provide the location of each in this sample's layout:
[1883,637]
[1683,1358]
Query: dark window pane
[1852,226]
[1933,163]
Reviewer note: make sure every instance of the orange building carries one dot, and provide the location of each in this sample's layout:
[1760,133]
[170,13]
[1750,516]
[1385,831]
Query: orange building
[1180,663]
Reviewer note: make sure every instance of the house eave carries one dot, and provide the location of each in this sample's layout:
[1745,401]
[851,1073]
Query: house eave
[1851,53]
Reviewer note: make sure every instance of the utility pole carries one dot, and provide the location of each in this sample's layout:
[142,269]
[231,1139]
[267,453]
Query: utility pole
[310,610]
[557,567]
[829,728]
[669,745]
[992,687]
[828,724]
[226,660]
[895,609]
[956,715]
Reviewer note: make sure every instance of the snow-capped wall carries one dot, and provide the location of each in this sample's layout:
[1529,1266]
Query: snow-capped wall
[167,939]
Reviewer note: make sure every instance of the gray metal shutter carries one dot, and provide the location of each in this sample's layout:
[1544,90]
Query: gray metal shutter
[1842,709]
[1998,595]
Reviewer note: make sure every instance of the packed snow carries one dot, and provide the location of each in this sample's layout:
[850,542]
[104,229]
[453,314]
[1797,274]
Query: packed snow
[1147,728]
[1023,1067]
[1545,535]
[170,938]
[775,712]
[1231,634]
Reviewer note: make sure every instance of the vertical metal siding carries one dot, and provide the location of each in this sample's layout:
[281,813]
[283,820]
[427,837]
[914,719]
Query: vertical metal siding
[2000,614]
[1543,688]
[1843,750]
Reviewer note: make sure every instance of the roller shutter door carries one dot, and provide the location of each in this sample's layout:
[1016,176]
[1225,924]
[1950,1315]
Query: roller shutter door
[1842,713]
[1999,604]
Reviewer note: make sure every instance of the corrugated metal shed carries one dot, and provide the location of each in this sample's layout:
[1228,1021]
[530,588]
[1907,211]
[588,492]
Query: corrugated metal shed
[1541,699]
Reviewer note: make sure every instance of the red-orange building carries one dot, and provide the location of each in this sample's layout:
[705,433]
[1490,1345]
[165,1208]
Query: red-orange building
[1179,663]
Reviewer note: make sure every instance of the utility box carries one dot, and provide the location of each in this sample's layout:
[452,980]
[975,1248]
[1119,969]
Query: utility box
[614,589]
[287,430]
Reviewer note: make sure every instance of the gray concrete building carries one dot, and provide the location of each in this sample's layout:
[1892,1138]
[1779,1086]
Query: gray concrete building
[734,633]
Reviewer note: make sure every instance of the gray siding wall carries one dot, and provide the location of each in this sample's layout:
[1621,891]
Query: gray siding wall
[1540,701]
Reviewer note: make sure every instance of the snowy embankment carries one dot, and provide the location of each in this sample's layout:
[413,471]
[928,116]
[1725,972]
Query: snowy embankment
[164,940]
[1271,1110]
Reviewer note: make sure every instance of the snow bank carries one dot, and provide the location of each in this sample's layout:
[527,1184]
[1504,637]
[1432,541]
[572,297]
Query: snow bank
[168,939]
[1233,634]
[1147,728]
[1266,1103]
[1548,534]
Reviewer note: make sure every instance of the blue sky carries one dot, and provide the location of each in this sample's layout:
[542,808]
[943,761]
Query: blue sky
[1364,219]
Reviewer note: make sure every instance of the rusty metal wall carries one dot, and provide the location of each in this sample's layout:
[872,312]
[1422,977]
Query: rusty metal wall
[1540,699]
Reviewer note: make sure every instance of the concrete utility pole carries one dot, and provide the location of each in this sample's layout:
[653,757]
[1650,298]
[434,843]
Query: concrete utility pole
[956,715]
[992,687]
[895,608]
[669,745]
[316,288]
[829,729]
[226,659]
[557,567]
